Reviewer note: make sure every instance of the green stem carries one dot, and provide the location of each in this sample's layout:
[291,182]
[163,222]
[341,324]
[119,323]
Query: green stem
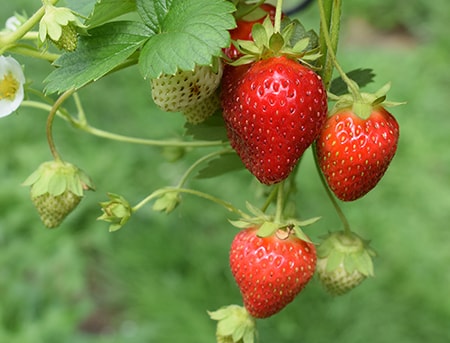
[333,200]
[352,86]
[280,202]
[269,199]
[12,37]
[26,50]
[201,160]
[159,143]
[278,13]
[81,124]
[199,194]
[50,118]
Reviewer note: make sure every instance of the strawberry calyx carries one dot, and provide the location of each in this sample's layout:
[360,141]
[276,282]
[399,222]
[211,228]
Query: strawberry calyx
[116,211]
[234,325]
[57,177]
[292,41]
[348,250]
[269,225]
[361,103]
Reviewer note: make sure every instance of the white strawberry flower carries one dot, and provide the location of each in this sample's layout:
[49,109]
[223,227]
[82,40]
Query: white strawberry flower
[11,85]
[12,24]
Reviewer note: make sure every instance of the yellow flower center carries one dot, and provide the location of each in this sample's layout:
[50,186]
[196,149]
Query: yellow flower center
[8,87]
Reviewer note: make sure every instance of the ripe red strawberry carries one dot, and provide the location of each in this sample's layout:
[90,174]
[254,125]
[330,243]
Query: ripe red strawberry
[270,271]
[354,153]
[243,30]
[175,93]
[274,109]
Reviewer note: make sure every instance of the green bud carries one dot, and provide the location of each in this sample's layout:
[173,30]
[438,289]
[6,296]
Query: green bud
[116,211]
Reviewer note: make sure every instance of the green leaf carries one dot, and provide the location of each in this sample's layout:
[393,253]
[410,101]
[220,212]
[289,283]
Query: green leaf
[83,7]
[187,32]
[224,164]
[212,129]
[106,10]
[105,48]
[362,77]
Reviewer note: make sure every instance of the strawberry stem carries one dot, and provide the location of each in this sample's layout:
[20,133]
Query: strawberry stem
[50,118]
[201,160]
[332,46]
[278,13]
[158,193]
[280,202]
[330,195]
[330,22]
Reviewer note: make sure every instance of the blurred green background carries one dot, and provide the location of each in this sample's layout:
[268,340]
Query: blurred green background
[154,280]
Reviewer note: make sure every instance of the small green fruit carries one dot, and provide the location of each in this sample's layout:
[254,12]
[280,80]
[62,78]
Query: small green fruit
[56,189]
[344,260]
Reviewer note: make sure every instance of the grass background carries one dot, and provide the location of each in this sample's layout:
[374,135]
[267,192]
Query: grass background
[154,280]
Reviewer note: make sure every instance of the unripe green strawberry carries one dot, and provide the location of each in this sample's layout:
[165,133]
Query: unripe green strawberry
[60,25]
[344,260]
[234,325]
[201,111]
[53,209]
[176,93]
[69,38]
[56,189]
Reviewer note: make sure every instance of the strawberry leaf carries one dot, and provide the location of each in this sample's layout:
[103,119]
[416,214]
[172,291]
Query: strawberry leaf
[105,10]
[362,77]
[224,164]
[105,48]
[187,32]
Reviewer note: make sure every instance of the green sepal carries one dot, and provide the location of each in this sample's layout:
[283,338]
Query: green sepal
[57,177]
[267,229]
[300,234]
[347,250]
[234,324]
[167,202]
[116,211]
[293,41]
[363,106]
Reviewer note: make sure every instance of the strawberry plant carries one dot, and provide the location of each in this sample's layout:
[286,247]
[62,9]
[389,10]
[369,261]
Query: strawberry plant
[256,92]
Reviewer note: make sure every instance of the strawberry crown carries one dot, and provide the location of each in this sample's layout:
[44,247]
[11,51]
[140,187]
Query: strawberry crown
[57,177]
[268,225]
[292,41]
[361,103]
[346,249]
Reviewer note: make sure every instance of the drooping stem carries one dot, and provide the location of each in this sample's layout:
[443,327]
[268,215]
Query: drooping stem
[50,118]
[331,47]
[201,160]
[329,24]
[330,195]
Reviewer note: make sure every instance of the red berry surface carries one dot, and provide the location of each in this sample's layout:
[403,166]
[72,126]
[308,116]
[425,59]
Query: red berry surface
[270,271]
[273,109]
[243,30]
[354,153]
